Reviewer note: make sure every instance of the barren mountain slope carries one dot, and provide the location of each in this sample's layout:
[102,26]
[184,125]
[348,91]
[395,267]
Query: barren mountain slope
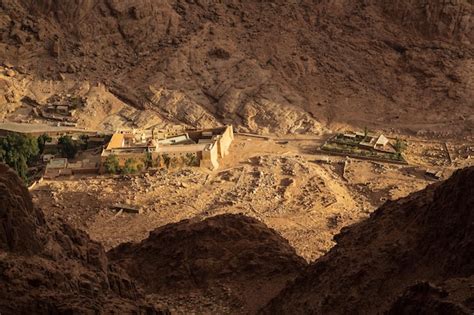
[267,66]
[412,256]
[226,251]
[51,268]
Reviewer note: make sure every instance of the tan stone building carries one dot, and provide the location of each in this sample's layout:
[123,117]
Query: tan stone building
[201,148]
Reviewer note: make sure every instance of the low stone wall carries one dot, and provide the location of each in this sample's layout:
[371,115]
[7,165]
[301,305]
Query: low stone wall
[355,156]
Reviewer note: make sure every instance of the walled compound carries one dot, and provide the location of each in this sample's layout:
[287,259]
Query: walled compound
[201,148]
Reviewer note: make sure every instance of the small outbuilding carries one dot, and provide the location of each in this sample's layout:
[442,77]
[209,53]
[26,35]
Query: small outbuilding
[381,142]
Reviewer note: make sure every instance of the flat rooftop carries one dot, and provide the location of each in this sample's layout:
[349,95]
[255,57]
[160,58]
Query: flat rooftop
[40,128]
[116,141]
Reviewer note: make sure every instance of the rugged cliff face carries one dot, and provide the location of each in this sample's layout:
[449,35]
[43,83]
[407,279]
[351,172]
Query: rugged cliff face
[21,222]
[276,66]
[448,20]
[226,251]
[412,256]
[50,268]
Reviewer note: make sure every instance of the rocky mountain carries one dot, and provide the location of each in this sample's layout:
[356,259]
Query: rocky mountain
[51,268]
[226,252]
[265,66]
[229,261]
[412,256]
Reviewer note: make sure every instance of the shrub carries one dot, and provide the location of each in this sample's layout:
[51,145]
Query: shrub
[400,146]
[111,164]
[190,159]
[129,167]
[166,160]
[173,162]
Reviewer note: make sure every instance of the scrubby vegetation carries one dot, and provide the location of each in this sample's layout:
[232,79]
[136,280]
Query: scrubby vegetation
[190,159]
[341,144]
[129,167]
[149,162]
[166,160]
[400,146]
[111,164]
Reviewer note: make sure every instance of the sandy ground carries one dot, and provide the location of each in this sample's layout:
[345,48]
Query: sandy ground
[308,198]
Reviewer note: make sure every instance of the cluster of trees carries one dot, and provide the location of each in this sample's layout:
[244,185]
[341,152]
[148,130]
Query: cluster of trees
[167,161]
[19,151]
[191,159]
[112,163]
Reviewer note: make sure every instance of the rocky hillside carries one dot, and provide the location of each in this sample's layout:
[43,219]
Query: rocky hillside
[50,268]
[224,264]
[266,66]
[231,253]
[412,256]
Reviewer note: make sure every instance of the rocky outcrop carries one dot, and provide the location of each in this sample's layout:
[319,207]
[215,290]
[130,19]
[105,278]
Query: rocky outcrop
[279,67]
[442,19]
[231,251]
[413,255]
[51,268]
[452,297]
[20,222]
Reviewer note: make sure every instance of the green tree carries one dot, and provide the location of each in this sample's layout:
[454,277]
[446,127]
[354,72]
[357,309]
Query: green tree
[149,160]
[129,167]
[42,141]
[366,132]
[111,164]
[17,151]
[139,167]
[67,147]
[190,159]
[166,160]
[400,146]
